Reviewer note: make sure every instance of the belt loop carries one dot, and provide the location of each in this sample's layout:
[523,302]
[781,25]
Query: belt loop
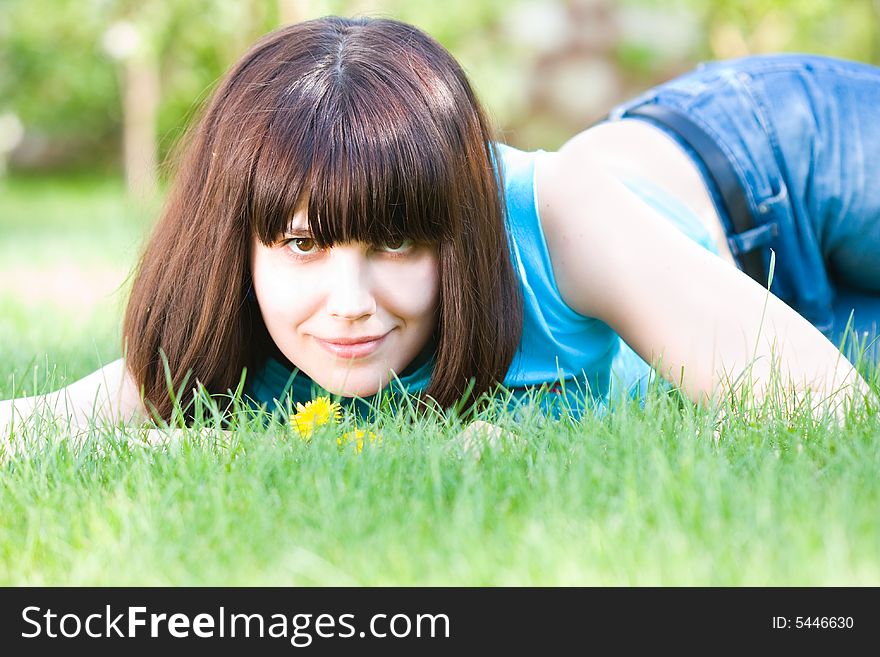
[752,239]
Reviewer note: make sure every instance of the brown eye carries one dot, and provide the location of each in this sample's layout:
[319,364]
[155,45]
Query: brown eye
[397,246]
[301,245]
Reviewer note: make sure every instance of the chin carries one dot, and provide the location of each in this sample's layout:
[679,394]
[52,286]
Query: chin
[360,386]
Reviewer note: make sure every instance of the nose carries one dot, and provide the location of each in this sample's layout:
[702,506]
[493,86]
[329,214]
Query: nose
[349,293]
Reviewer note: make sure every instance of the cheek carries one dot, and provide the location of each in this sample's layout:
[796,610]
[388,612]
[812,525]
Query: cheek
[416,291]
[279,291]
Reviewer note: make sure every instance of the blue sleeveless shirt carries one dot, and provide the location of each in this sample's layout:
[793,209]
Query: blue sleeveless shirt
[574,363]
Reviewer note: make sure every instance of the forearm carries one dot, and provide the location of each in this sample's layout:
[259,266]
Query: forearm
[104,397]
[779,390]
[56,407]
[21,417]
[5,420]
[13,412]
[785,364]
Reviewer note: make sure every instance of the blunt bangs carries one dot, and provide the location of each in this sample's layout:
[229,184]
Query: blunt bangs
[366,154]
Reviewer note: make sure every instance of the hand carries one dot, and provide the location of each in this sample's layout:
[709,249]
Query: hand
[479,434]
[157,437]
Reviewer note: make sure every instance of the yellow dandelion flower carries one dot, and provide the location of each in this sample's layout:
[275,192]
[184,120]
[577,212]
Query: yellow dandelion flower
[357,436]
[313,414]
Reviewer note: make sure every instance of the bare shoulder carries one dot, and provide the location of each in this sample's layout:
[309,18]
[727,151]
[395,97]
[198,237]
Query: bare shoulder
[578,200]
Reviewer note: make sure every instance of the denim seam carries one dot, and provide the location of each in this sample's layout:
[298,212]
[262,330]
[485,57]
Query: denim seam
[746,81]
[781,192]
[837,70]
[761,107]
[820,63]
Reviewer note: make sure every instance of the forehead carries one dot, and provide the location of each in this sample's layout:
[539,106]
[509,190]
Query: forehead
[299,221]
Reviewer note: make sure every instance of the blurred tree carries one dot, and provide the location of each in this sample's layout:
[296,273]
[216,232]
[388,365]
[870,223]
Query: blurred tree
[141,95]
[53,78]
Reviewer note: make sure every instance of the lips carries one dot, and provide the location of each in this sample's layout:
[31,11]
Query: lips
[352,347]
[369,338]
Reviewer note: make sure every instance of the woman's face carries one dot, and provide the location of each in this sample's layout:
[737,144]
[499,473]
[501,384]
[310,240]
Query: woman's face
[320,306]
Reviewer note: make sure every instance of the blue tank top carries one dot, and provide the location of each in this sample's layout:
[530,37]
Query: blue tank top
[566,362]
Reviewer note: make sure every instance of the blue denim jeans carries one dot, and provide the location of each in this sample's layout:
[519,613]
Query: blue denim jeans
[803,135]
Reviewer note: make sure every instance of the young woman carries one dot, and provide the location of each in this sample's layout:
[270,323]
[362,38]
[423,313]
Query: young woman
[343,220]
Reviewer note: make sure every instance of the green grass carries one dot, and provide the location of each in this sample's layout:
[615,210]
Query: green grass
[638,497]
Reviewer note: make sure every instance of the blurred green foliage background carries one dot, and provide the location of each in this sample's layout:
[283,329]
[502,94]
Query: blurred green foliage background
[544,68]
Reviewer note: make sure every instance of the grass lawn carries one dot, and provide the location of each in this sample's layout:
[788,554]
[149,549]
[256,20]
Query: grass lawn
[638,497]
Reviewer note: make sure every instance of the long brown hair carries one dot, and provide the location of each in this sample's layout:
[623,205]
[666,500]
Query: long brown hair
[374,125]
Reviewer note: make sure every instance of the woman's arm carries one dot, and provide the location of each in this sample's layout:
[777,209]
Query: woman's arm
[616,259]
[108,394]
